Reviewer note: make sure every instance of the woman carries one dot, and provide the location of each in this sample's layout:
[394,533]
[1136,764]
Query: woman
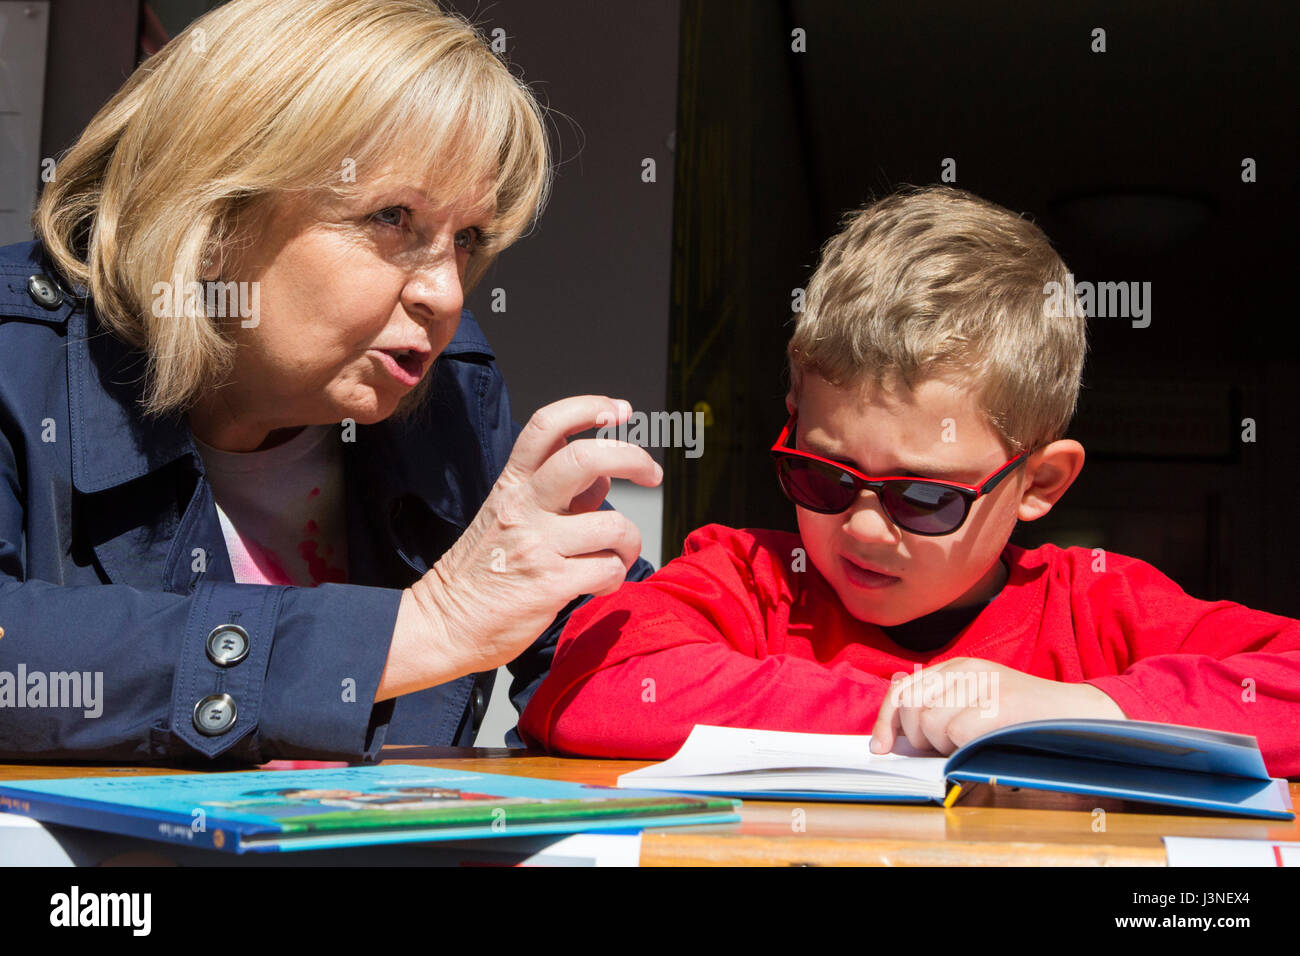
[244,513]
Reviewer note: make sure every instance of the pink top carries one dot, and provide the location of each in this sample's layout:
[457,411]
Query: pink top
[281,509]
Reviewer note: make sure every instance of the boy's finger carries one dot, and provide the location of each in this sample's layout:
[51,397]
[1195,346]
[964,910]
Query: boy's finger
[910,719]
[882,737]
[882,731]
[966,726]
[936,725]
[885,735]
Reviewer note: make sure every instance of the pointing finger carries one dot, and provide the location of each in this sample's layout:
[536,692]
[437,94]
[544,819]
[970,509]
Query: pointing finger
[575,468]
[550,426]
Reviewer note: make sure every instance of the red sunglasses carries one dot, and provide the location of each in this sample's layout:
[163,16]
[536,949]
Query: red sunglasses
[919,505]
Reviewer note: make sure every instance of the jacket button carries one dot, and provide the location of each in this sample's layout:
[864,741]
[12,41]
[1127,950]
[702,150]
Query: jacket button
[227,645]
[480,705]
[44,292]
[214,714]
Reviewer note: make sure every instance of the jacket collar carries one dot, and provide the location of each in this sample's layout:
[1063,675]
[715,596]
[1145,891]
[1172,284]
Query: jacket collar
[112,443]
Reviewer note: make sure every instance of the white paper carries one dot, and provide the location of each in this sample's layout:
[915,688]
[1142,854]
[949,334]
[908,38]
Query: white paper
[1203,851]
[578,849]
[711,751]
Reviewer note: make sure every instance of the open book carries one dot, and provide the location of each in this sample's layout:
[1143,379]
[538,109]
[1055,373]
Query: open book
[1124,759]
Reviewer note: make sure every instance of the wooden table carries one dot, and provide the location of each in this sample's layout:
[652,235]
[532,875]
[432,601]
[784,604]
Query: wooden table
[988,826]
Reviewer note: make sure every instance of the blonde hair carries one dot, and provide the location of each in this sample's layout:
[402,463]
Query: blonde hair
[258,99]
[938,282]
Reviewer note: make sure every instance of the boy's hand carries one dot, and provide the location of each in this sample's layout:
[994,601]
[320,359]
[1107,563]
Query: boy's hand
[945,706]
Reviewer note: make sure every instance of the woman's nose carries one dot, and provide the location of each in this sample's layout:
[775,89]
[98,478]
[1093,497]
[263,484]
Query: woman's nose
[436,289]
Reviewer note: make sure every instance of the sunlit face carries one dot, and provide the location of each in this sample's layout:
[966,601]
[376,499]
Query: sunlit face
[343,286]
[935,431]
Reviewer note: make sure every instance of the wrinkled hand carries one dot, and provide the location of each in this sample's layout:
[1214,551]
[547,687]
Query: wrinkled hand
[947,705]
[539,540]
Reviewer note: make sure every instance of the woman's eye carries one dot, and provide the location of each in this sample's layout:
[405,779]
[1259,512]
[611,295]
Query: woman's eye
[400,216]
[469,238]
[392,216]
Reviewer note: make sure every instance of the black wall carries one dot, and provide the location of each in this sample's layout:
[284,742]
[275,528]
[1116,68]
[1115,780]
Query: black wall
[1130,160]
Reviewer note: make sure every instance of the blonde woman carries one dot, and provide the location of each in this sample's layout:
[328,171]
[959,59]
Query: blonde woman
[260,490]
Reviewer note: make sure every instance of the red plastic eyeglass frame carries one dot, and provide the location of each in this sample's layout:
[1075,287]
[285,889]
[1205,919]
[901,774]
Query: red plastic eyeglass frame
[969,493]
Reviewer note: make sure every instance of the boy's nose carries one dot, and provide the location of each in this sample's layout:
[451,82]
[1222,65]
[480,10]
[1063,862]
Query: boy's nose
[867,520]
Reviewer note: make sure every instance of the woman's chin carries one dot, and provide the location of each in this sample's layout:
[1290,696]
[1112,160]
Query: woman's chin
[373,414]
[368,404]
[363,411]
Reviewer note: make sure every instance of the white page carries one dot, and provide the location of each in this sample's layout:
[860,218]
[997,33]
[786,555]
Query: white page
[577,849]
[713,750]
[1203,851]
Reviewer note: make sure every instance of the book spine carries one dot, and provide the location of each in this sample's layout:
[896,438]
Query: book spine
[163,827]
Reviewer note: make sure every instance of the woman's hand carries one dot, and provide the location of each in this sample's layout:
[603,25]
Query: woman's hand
[948,705]
[538,542]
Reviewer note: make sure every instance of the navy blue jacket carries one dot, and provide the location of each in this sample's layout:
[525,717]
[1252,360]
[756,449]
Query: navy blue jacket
[112,560]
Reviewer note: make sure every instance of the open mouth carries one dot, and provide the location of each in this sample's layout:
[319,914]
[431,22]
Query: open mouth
[411,362]
[405,365]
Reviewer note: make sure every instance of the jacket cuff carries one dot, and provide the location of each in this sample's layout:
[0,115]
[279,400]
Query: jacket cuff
[305,684]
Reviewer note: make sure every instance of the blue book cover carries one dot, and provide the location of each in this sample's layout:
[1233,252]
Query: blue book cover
[1147,762]
[277,811]
[1130,760]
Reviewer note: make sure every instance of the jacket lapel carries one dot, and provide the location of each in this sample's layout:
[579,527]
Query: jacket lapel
[395,534]
[131,482]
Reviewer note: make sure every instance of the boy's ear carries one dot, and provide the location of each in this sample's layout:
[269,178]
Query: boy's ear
[1049,472]
[790,406]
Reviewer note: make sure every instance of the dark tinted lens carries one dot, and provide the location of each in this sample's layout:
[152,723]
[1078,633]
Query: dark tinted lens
[923,507]
[815,486]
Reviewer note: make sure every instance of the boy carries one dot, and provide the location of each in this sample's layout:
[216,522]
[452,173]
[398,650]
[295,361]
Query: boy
[928,349]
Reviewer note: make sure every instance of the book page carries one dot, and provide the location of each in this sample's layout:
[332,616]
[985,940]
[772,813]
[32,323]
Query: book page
[713,750]
[1201,851]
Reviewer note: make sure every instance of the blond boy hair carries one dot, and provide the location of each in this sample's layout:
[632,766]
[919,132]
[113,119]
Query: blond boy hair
[938,282]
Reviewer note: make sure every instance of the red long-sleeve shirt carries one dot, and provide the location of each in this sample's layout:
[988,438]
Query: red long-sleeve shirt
[729,634]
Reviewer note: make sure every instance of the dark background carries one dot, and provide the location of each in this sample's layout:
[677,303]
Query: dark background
[1130,160]
[678,293]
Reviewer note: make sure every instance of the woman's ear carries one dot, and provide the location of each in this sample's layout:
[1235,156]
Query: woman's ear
[210,268]
[1049,473]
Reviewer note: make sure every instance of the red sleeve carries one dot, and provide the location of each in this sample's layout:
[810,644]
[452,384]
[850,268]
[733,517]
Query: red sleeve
[1218,664]
[636,670]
